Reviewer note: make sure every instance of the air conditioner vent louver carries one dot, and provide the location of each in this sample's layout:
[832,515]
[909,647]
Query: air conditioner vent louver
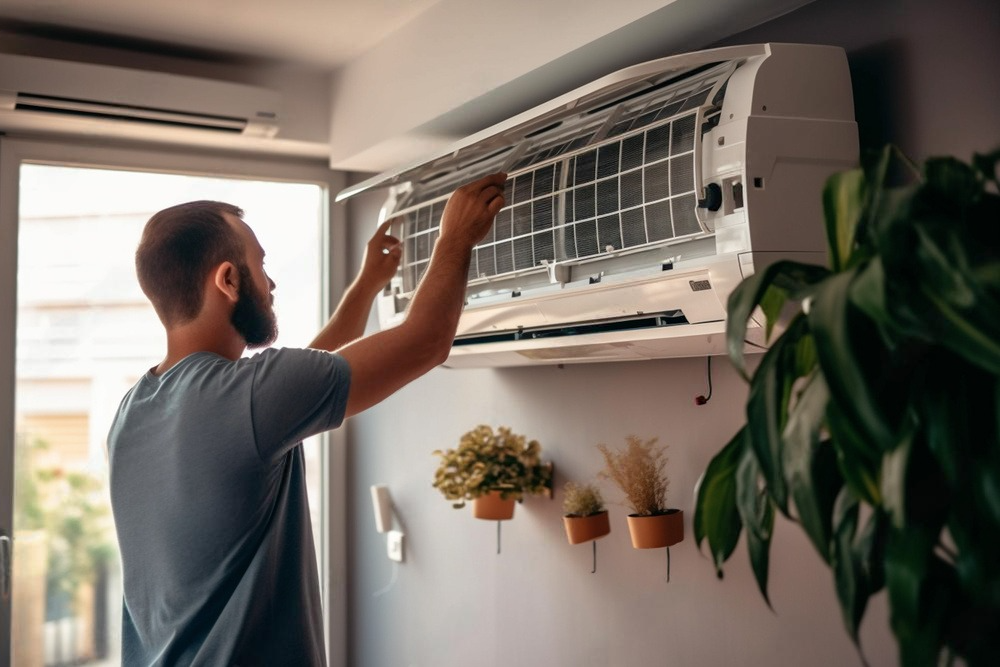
[90,109]
[609,247]
[666,319]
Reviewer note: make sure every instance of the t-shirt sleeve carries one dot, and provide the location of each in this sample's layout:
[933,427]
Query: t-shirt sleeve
[296,393]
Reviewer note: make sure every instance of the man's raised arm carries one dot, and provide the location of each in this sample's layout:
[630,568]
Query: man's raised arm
[384,362]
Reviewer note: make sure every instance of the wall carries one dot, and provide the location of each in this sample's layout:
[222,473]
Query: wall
[924,78]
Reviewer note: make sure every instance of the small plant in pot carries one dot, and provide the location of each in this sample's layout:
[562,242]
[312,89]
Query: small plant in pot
[493,469]
[585,515]
[639,470]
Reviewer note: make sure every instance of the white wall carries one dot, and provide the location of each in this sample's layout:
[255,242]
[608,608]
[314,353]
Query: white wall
[456,602]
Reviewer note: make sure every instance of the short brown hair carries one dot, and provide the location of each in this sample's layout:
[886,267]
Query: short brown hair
[180,245]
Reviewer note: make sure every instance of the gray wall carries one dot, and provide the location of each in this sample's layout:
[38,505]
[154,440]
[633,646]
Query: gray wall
[925,78]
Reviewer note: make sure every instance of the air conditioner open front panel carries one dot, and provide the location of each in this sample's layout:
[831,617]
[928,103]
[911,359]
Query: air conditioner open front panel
[634,206]
[605,91]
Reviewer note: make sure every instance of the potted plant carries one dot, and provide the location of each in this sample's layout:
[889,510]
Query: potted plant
[639,470]
[872,418]
[493,469]
[585,517]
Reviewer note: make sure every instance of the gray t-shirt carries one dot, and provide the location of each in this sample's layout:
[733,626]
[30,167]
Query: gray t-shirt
[209,498]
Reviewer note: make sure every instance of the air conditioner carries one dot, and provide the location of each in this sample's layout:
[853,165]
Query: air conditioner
[635,205]
[42,93]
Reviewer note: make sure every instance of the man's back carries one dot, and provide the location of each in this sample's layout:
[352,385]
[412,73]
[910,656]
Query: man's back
[208,491]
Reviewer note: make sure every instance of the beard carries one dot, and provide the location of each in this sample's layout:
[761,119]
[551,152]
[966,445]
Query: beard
[253,317]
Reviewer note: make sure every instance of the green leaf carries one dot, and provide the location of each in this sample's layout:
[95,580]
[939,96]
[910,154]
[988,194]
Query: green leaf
[767,406]
[792,277]
[843,202]
[858,463]
[771,304]
[757,513]
[867,293]
[986,165]
[839,339]
[893,489]
[716,516]
[921,592]
[846,573]
[814,479]
[952,179]
[965,318]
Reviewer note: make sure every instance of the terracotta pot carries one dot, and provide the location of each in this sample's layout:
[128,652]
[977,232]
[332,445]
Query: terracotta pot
[657,531]
[581,529]
[492,507]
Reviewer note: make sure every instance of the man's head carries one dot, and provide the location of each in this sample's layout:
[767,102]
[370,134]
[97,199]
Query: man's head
[183,246]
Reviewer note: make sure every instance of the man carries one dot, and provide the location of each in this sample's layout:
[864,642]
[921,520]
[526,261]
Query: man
[207,480]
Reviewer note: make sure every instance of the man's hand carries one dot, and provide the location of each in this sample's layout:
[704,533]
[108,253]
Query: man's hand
[382,257]
[379,266]
[470,211]
[388,360]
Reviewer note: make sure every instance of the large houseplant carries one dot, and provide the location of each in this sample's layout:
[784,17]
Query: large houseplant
[500,464]
[872,419]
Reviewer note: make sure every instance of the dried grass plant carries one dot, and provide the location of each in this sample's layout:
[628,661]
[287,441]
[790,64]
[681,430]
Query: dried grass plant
[639,470]
[582,499]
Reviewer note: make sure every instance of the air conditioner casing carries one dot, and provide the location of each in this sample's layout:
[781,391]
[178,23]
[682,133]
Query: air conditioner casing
[44,94]
[634,205]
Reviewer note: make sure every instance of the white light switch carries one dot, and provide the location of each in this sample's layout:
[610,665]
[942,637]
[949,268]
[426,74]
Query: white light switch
[394,545]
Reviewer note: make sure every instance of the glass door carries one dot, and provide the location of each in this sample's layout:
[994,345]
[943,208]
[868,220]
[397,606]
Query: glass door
[84,334]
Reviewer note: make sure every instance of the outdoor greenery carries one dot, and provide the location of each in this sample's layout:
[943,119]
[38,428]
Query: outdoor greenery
[872,420]
[74,513]
[639,470]
[487,461]
[582,499]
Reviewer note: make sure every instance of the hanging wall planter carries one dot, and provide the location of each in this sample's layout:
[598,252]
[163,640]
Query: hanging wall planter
[639,470]
[657,531]
[586,520]
[492,469]
[493,507]
[580,529]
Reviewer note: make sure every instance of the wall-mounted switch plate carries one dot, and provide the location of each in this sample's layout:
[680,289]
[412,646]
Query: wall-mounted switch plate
[394,545]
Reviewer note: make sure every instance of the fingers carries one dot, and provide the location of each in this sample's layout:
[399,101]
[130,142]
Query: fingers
[382,240]
[394,249]
[494,205]
[489,189]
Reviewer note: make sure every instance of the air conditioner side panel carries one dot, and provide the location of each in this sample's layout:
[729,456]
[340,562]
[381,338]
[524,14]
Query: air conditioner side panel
[788,162]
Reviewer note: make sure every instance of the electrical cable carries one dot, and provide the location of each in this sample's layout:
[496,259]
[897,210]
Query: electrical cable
[702,400]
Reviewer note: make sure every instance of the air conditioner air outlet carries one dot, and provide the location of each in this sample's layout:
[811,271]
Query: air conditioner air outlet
[65,96]
[639,321]
[120,112]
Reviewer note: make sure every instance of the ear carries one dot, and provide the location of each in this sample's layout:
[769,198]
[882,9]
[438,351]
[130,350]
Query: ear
[226,279]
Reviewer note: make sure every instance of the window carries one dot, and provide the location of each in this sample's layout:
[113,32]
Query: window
[84,335]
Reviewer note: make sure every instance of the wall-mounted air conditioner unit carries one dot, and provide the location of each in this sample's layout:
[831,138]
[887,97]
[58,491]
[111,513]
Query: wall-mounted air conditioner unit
[44,94]
[635,205]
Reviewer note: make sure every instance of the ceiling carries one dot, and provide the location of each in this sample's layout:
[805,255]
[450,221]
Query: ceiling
[320,33]
[374,84]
